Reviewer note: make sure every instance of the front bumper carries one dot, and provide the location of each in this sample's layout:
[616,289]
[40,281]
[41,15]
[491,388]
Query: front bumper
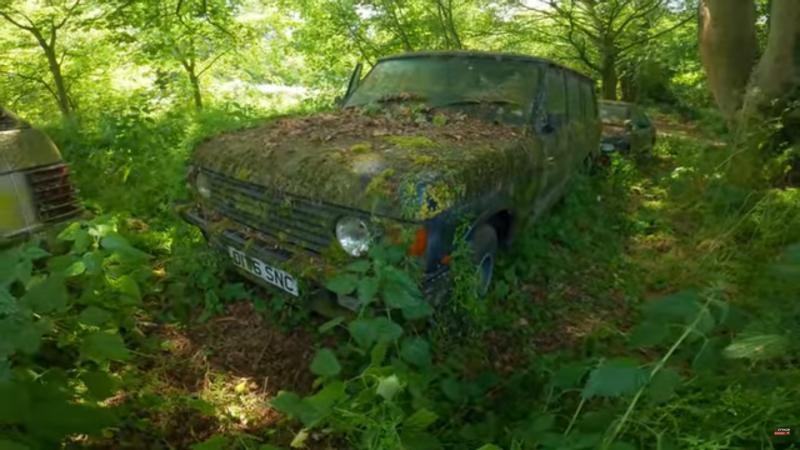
[434,285]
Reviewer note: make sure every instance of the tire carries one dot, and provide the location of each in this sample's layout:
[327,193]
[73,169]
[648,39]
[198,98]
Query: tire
[484,245]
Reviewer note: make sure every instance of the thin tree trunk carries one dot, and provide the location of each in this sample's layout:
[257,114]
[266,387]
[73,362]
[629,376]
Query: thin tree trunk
[62,97]
[728,49]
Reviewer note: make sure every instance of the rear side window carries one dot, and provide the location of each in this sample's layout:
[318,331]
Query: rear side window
[574,97]
[556,93]
[589,101]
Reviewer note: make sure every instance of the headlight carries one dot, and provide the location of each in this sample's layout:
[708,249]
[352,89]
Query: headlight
[353,235]
[203,185]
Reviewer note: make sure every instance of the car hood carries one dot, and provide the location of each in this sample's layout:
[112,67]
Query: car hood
[25,148]
[397,163]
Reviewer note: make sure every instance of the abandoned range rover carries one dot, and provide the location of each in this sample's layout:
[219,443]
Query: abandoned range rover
[423,144]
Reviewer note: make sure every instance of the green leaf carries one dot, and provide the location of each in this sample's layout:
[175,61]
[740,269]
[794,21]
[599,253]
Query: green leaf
[420,420]
[648,334]
[662,385]
[388,387]
[364,332]
[102,346]
[47,296]
[289,403]
[489,447]
[367,289]
[569,376]
[216,442]
[360,266]
[681,307]
[127,286]
[419,440]
[387,330]
[619,445]
[614,379]
[324,400]
[93,261]
[115,242]
[762,347]
[331,324]
[325,363]
[20,334]
[417,351]
[396,296]
[8,304]
[94,316]
[34,252]
[10,445]
[420,309]
[368,331]
[16,404]
[453,389]
[75,269]
[342,284]
[101,385]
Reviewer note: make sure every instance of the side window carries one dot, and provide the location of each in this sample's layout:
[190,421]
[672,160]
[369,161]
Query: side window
[574,97]
[589,101]
[556,94]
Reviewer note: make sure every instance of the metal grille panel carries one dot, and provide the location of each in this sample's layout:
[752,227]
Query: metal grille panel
[53,194]
[296,220]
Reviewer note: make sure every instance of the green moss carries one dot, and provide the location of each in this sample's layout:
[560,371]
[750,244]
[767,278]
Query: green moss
[412,141]
[381,184]
[361,147]
[423,160]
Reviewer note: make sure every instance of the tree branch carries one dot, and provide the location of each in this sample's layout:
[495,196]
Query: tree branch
[660,33]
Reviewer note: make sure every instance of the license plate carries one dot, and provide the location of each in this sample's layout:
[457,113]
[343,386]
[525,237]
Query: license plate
[258,268]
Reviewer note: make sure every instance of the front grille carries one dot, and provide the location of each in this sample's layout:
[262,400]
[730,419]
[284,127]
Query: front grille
[298,221]
[53,194]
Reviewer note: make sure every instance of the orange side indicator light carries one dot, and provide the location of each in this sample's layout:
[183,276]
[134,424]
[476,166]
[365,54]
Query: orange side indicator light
[417,248]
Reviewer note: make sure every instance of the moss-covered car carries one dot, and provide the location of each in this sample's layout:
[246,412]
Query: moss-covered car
[35,190]
[626,128]
[423,144]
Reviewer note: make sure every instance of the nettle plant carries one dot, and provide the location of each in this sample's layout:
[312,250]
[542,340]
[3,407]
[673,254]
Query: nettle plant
[383,386]
[61,316]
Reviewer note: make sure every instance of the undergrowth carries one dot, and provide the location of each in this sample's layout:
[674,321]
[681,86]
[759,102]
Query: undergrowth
[654,308]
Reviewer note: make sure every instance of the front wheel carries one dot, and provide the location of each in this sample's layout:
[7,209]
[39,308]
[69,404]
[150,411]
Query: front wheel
[484,253]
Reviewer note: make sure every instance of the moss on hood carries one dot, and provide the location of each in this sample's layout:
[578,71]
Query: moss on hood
[395,163]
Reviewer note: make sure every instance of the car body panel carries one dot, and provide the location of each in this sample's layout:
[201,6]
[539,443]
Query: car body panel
[626,127]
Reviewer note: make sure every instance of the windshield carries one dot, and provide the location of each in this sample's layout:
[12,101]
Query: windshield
[614,113]
[504,87]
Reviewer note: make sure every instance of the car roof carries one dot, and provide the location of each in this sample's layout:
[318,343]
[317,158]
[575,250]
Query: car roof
[498,56]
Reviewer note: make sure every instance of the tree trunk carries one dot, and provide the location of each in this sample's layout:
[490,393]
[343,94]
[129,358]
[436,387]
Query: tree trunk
[610,79]
[194,80]
[776,70]
[728,49]
[58,80]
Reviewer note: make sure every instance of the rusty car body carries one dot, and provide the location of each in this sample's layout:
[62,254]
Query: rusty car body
[421,144]
[626,128]
[35,189]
